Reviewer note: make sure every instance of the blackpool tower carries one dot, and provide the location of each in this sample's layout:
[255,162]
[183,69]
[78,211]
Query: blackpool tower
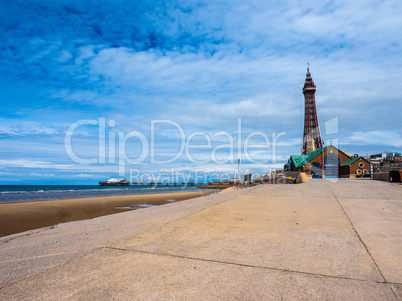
[311,129]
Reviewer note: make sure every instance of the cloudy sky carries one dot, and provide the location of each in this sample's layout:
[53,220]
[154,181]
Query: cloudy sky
[99,72]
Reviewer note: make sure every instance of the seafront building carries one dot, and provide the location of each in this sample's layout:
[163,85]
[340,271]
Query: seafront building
[329,162]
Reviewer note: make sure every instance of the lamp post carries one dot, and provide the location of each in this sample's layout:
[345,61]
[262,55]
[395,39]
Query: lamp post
[238,168]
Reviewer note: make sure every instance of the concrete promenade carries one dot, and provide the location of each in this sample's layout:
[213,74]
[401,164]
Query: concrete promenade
[313,241]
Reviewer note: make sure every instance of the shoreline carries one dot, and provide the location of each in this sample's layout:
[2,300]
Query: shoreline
[18,217]
[22,196]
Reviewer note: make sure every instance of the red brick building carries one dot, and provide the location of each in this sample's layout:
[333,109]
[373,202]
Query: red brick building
[328,162]
[355,167]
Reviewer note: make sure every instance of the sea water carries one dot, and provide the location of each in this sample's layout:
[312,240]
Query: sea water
[26,193]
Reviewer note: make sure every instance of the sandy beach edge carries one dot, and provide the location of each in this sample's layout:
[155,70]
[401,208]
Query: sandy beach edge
[24,216]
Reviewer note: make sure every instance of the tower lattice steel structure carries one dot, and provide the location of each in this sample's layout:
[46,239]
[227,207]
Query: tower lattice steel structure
[311,129]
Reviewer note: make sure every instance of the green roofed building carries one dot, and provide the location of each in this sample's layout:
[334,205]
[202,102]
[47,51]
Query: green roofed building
[328,162]
[357,166]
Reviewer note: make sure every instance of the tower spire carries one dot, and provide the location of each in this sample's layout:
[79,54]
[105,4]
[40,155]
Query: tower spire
[311,128]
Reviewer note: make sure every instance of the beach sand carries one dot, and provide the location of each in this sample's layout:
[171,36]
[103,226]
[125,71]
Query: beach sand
[19,217]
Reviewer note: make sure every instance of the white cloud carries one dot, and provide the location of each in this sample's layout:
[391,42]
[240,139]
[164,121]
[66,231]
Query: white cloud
[25,163]
[81,175]
[23,131]
[39,175]
[377,137]
[64,56]
[85,53]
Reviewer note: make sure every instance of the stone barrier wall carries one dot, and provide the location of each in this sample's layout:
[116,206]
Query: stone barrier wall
[381,176]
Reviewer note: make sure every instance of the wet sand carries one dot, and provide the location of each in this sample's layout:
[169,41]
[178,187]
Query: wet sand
[19,217]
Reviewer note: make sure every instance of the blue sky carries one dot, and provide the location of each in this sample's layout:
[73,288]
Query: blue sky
[201,64]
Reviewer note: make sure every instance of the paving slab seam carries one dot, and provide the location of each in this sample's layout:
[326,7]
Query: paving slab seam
[247,265]
[44,271]
[224,200]
[374,198]
[42,256]
[392,290]
[8,238]
[229,197]
[358,235]
[284,197]
[362,242]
